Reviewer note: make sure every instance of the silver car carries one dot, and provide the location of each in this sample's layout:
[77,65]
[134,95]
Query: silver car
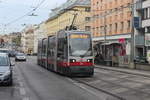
[5,69]
[20,57]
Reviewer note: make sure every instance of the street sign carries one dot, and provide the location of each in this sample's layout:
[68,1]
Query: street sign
[136,22]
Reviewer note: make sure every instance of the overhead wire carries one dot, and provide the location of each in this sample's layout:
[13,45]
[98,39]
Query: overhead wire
[19,18]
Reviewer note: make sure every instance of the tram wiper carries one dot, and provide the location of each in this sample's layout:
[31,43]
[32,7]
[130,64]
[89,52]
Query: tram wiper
[82,56]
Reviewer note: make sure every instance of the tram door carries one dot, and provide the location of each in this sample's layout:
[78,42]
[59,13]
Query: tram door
[62,53]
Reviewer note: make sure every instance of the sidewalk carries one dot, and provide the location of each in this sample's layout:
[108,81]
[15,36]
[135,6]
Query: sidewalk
[125,70]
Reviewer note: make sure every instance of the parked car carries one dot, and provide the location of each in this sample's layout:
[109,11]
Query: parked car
[5,69]
[4,50]
[12,53]
[140,59]
[20,57]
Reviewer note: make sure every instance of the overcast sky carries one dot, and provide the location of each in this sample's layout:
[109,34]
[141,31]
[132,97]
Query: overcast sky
[13,9]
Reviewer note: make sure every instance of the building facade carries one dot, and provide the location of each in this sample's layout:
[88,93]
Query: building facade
[27,39]
[112,29]
[39,33]
[63,16]
[142,31]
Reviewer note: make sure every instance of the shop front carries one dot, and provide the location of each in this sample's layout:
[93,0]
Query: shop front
[113,53]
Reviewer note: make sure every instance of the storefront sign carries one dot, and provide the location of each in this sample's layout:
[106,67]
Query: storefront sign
[122,40]
[147,39]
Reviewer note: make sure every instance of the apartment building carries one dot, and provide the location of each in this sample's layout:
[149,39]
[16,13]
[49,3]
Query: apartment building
[39,33]
[63,16]
[142,32]
[112,29]
[27,39]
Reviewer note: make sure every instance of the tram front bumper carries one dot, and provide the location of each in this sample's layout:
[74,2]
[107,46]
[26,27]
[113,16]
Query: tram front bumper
[89,70]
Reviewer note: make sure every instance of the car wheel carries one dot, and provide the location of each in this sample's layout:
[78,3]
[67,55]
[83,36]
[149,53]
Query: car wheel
[16,60]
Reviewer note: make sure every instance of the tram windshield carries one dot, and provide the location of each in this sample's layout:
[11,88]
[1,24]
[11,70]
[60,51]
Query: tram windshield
[80,45]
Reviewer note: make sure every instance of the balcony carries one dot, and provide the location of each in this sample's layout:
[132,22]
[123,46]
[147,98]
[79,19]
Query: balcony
[139,40]
[139,5]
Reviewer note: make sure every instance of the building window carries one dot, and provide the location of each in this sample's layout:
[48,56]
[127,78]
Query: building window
[93,30]
[129,24]
[87,18]
[110,28]
[102,29]
[97,2]
[116,27]
[122,26]
[87,9]
[146,13]
[87,28]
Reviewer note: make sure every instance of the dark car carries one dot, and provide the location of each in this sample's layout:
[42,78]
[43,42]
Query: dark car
[12,53]
[140,59]
[5,69]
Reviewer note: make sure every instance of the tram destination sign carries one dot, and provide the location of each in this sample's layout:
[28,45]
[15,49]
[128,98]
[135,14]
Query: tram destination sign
[81,36]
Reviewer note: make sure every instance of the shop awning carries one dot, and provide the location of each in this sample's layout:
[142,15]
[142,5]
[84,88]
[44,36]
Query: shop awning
[110,43]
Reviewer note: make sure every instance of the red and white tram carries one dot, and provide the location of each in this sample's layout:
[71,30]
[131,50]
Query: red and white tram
[68,52]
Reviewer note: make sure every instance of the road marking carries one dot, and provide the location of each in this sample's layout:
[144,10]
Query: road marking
[22,91]
[25,98]
[21,84]
[95,82]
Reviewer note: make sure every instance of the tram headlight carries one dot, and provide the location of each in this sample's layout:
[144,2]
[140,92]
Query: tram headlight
[72,60]
[90,60]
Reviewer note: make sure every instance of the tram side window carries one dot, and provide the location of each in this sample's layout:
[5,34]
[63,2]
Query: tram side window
[53,48]
[49,49]
[62,48]
[65,48]
[44,51]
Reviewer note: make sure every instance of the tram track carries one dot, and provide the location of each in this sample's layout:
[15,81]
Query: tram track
[111,93]
[99,89]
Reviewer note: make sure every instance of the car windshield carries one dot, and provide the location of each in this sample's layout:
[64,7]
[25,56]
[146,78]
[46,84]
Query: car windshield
[20,54]
[3,61]
[4,51]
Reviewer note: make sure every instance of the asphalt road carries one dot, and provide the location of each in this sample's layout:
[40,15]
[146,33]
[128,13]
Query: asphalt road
[32,82]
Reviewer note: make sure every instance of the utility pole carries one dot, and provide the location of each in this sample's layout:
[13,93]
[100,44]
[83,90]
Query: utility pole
[105,33]
[132,40]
